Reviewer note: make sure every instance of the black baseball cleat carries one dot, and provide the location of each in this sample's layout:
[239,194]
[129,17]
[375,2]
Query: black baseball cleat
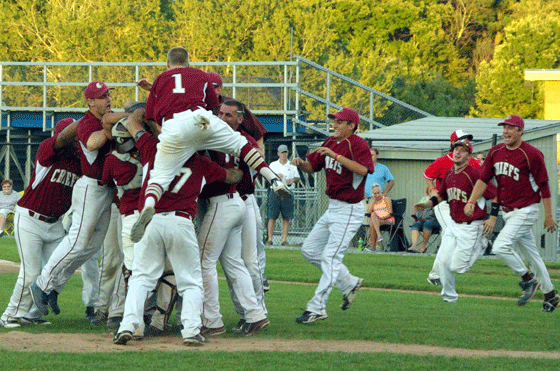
[39,298]
[139,227]
[250,328]
[122,337]
[550,305]
[308,317]
[52,300]
[348,299]
[529,288]
[195,341]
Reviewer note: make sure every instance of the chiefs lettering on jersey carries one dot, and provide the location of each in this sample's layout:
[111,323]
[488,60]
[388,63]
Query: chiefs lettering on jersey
[64,177]
[330,163]
[458,194]
[507,169]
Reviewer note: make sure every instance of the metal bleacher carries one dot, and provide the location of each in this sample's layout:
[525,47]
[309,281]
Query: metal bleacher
[291,98]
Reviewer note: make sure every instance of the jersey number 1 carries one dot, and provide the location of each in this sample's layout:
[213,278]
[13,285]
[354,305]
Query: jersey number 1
[178,84]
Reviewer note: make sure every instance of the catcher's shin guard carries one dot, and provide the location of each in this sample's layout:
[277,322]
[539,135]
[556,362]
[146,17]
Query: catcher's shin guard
[166,294]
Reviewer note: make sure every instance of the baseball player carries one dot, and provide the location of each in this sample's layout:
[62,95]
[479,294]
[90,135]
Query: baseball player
[463,241]
[170,235]
[433,176]
[346,160]
[178,101]
[522,179]
[37,221]
[91,201]
[252,126]
[231,112]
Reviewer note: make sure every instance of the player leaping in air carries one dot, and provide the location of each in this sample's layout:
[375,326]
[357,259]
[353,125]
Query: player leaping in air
[180,100]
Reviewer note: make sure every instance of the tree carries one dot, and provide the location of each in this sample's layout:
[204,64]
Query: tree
[529,43]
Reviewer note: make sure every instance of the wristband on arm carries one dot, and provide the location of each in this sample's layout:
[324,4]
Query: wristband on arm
[434,200]
[495,209]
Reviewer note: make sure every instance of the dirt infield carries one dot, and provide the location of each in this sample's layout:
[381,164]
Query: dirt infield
[93,343]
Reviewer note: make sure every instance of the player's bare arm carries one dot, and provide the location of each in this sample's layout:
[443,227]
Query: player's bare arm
[111,118]
[303,165]
[233,176]
[477,192]
[488,224]
[97,139]
[144,84]
[66,136]
[351,165]
[549,222]
[431,184]
[134,124]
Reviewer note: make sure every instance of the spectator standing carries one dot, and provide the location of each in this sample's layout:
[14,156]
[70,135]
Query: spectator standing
[8,200]
[289,174]
[381,176]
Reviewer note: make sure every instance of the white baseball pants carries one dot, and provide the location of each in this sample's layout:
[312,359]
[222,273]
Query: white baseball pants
[325,247]
[461,245]
[516,241]
[172,237]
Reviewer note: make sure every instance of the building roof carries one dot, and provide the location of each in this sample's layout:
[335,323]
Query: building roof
[431,134]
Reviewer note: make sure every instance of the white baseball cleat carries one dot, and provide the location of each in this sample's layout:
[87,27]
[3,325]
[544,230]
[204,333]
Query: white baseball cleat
[9,322]
[202,122]
[139,227]
[281,190]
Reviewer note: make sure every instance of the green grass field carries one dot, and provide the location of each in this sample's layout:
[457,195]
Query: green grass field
[410,312]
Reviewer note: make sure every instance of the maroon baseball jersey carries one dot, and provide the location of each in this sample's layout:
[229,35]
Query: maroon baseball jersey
[439,168]
[178,90]
[122,174]
[91,161]
[342,184]
[50,187]
[520,173]
[220,188]
[185,188]
[456,188]
[246,185]
[251,124]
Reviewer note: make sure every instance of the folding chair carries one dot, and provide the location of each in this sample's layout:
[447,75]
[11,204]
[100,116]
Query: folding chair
[397,240]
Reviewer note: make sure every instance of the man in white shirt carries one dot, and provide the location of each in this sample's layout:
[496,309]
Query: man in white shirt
[8,199]
[289,174]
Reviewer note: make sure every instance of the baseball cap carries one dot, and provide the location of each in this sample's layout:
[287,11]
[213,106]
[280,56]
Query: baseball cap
[460,134]
[63,124]
[96,89]
[282,148]
[463,142]
[346,114]
[214,78]
[513,120]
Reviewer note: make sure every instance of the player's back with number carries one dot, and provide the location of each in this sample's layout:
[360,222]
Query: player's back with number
[178,90]
[185,187]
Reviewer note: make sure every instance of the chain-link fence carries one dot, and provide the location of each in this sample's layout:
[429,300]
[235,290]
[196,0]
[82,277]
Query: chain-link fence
[310,201]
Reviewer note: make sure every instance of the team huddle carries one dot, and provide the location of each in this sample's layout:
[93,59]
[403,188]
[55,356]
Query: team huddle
[182,167]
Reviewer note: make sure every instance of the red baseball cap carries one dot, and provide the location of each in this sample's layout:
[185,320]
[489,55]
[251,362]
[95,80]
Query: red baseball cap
[96,89]
[63,124]
[463,142]
[460,134]
[346,114]
[513,120]
[214,78]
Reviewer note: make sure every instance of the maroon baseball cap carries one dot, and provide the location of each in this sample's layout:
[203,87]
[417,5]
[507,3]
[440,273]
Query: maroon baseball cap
[460,134]
[96,89]
[463,142]
[214,78]
[63,124]
[346,114]
[513,120]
